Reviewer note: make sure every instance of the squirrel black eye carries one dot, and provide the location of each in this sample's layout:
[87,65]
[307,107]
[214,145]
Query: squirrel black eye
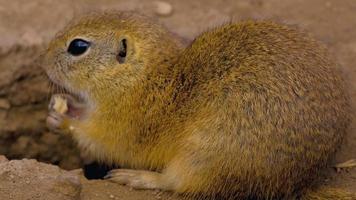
[122,51]
[78,47]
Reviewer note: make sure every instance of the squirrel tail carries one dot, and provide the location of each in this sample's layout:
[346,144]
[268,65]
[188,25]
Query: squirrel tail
[328,193]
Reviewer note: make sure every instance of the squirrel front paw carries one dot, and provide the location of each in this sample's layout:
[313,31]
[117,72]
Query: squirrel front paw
[57,118]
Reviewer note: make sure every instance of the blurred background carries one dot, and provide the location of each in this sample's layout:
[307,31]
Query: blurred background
[27,26]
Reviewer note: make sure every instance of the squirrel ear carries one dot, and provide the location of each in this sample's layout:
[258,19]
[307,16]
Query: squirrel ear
[121,56]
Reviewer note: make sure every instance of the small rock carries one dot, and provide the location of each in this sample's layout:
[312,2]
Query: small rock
[50,138]
[163,8]
[4,104]
[111,196]
[22,144]
[3,159]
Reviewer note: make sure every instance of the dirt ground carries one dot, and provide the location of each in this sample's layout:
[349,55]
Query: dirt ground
[27,26]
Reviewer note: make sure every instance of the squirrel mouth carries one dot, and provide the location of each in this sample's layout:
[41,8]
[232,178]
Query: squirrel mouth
[67,103]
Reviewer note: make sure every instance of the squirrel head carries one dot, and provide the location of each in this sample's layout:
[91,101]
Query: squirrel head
[107,53]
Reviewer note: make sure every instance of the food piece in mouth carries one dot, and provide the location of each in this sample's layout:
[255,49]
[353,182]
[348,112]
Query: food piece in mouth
[60,104]
[67,105]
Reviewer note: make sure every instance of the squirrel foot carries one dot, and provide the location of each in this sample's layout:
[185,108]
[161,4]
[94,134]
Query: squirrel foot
[137,179]
[345,165]
[56,119]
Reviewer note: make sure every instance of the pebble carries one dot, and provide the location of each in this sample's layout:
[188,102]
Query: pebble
[163,8]
[3,159]
[4,104]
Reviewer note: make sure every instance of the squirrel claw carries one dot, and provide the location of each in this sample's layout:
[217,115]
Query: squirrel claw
[58,122]
[345,165]
[54,120]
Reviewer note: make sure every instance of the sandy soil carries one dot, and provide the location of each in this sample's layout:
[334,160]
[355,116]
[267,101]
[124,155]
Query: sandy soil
[333,22]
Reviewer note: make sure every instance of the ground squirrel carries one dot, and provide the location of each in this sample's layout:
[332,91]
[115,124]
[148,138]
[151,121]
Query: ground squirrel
[248,110]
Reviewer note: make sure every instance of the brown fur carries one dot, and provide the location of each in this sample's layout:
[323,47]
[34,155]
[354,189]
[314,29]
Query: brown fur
[248,110]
